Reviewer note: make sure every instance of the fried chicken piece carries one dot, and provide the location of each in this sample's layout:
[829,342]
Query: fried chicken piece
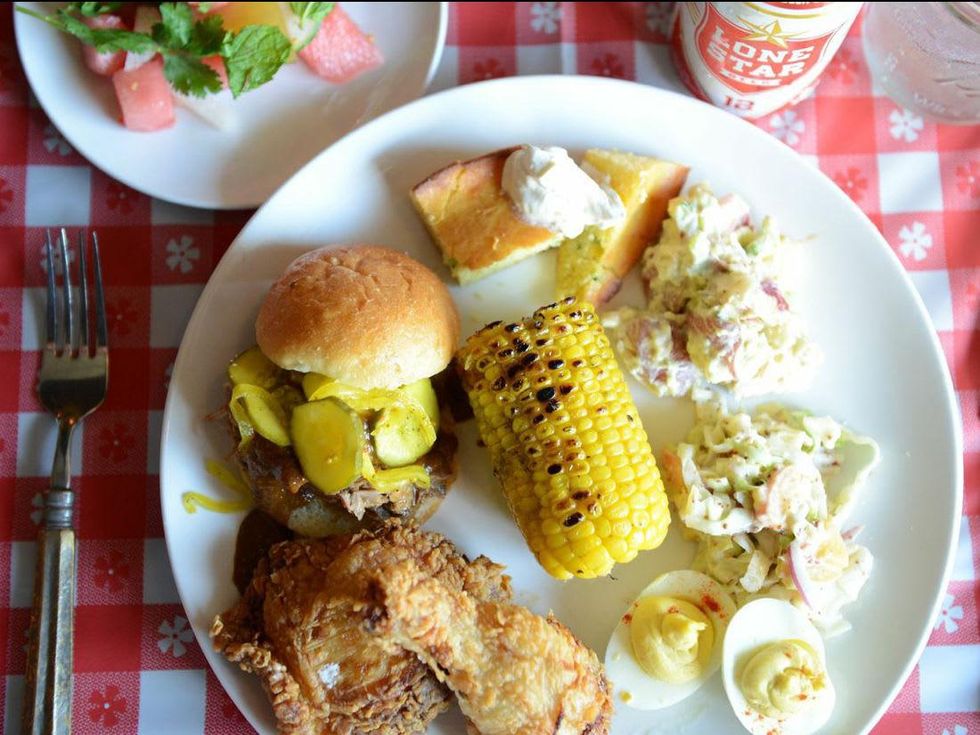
[301,627]
[514,672]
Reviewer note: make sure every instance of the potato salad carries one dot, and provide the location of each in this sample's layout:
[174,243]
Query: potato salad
[767,495]
[719,311]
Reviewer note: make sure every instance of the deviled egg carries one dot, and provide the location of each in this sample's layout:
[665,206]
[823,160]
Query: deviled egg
[774,669]
[669,641]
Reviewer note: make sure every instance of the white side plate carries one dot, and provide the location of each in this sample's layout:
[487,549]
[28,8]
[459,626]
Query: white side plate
[279,126]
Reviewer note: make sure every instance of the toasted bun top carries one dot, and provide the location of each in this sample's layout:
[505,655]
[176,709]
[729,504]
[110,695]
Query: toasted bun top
[363,315]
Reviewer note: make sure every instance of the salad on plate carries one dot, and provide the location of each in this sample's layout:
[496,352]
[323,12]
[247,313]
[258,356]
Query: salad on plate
[767,496]
[720,312]
[201,56]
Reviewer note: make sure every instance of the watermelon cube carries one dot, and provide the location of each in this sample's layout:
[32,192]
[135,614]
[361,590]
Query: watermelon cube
[109,62]
[145,97]
[340,50]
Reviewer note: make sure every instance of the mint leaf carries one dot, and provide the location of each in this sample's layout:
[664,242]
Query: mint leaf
[312,12]
[203,7]
[174,30]
[253,56]
[90,10]
[190,76]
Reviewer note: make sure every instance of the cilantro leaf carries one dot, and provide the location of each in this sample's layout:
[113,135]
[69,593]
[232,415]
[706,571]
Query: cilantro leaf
[190,76]
[180,34]
[207,36]
[253,56]
[203,7]
[312,12]
[174,30]
[90,10]
[183,42]
[103,39]
[106,39]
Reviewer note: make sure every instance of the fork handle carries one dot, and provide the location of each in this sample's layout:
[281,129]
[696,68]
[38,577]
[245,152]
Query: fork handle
[47,706]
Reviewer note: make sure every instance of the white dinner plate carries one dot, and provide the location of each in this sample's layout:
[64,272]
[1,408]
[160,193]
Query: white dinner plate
[278,127]
[884,372]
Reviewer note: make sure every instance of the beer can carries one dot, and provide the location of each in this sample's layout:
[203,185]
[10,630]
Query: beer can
[753,58]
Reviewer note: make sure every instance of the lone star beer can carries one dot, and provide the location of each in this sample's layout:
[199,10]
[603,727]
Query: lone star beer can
[753,58]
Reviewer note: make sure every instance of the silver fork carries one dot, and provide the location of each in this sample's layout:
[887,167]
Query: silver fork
[73,381]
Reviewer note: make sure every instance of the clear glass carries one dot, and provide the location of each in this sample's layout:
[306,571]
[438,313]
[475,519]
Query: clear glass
[926,57]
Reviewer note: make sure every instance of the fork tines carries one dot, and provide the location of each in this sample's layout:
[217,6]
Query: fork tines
[63,333]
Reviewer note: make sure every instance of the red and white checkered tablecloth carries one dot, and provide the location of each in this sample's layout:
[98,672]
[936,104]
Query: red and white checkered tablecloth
[137,666]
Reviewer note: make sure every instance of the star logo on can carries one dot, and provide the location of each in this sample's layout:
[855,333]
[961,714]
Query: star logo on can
[771,33]
[750,56]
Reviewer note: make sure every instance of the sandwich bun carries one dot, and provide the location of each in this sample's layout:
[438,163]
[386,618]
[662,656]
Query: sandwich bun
[364,315]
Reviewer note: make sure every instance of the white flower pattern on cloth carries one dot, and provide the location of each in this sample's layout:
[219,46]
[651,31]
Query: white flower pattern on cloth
[787,126]
[658,17]
[545,17]
[55,142]
[182,254]
[905,124]
[957,730]
[916,241]
[175,635]
[949,615]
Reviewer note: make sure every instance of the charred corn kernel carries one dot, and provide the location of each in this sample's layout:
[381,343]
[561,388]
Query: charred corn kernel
[565,440]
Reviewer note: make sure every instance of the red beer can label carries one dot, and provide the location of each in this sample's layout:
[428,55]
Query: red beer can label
[753,58]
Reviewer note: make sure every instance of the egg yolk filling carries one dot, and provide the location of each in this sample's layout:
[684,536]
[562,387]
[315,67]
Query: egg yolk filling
[671,638]
[782,678]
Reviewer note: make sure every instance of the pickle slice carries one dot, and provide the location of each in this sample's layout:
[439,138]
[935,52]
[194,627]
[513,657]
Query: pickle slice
[405,428]
[328,438]
[312,383]
[422,392]
[252,367]
[262,413]
[317,387]
[245,430]
[288,397]
[384,481]
[402,434]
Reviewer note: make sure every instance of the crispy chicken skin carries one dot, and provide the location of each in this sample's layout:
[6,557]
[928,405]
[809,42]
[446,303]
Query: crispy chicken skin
[302,626]
[514,672]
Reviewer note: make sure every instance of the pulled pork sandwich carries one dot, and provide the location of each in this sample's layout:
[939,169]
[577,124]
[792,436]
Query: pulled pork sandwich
[338,424]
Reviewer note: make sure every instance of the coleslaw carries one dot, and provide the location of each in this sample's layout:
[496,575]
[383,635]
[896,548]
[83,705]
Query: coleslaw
[767,496]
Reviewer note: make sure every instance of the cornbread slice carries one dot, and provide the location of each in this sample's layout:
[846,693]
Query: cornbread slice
[472,221]
[592,266]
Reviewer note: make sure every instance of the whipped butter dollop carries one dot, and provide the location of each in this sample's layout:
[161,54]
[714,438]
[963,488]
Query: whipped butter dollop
[549,190]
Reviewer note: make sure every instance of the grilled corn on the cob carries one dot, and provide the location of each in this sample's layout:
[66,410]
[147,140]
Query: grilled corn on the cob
[565,439]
